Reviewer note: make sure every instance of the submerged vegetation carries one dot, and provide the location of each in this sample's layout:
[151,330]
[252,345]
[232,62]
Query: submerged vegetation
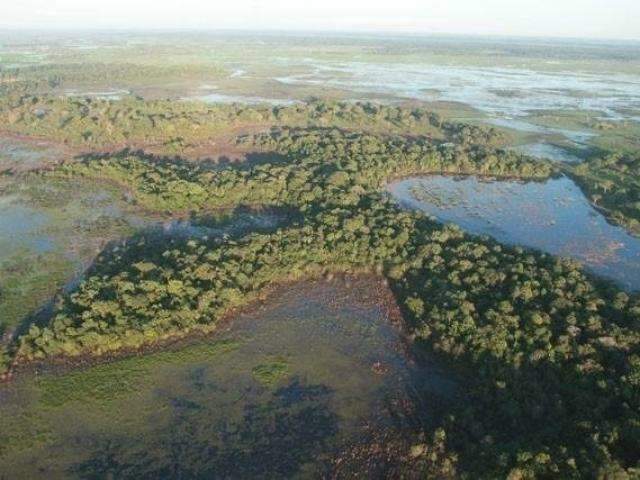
[272,372]
[551,354]
[50,230]
[26,285]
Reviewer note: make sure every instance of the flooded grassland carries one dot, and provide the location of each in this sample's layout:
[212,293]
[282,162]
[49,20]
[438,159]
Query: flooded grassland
[316,367]
[50,231]
[281,392]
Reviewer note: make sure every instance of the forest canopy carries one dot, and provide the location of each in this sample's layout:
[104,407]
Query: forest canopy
[551,354]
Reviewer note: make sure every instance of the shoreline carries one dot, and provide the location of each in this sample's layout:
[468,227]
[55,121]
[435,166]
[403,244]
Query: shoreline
[362,287]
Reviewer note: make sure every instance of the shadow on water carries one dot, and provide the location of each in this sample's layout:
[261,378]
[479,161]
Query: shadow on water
[232,224]
[293,381]
[272,439]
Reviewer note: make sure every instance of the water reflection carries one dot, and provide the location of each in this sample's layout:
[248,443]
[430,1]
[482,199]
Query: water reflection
[273,439]
[22,227]
[287,386]
[513,91]
[547,150]
[553,216]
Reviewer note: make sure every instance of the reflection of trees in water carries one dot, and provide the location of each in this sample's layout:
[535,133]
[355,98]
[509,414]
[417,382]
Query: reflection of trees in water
[273,439]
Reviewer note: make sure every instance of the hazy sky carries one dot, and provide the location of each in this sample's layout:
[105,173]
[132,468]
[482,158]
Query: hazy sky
[565,18]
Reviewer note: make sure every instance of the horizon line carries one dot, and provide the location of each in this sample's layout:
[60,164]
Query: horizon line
[295,31]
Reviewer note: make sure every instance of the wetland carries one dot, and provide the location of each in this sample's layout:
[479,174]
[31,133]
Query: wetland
[266,256]
[553,216]
[314,367]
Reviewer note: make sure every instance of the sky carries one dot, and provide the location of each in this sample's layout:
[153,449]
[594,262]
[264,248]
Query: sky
[615,19]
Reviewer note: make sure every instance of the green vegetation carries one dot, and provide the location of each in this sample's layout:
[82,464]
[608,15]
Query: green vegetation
[202,395]
[99,393]
[271,372]
[551,354]
[608,135]
[107,382]
[612,183]
[25,286]
[97,123]
[64,223]
[322,166]
[43,78]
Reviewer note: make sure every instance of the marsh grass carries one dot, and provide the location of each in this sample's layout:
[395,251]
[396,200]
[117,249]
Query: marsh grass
[271,372]
[109,381]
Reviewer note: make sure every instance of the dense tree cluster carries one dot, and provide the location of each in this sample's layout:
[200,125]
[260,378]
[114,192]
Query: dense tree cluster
[612,182]
[47,77]
[551,354]
[321,166]
[99,123]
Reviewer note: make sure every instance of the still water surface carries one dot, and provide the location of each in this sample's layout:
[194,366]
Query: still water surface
[317,367]
[552,216]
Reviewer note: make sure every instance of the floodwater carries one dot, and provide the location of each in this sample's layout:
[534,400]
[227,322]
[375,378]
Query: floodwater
[22,227]
[576,137]
[116,94]
[506,95]
[284,389]
[499,91]
[552,216]
[84,214]
[545,150]
[51,232]
[22,155]
[244,99]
